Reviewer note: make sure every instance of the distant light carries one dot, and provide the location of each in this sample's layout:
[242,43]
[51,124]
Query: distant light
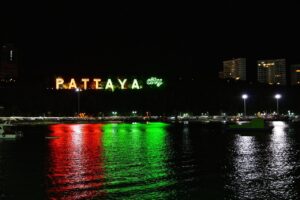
[77,89]
[11,55]
[277,96]
[244,96]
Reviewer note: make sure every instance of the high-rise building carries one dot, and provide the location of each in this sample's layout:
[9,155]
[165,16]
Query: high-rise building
[271,71]
[8,63]
[295,74]
[234,69]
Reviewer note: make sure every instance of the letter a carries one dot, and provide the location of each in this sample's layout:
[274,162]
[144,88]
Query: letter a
[135,84]
[72,84]
[109,85]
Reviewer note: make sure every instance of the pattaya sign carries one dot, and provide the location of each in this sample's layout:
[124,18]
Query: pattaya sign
[106,84]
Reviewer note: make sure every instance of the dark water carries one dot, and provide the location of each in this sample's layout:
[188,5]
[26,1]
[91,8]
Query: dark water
[150,161]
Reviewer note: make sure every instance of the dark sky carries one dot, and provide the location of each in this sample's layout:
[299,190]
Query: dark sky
[177,38]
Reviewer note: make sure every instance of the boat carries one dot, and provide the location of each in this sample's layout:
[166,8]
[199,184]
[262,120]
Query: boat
[8,132]
[255,125]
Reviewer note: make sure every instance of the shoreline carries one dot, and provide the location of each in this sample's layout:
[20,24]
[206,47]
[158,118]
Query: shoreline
[76,120]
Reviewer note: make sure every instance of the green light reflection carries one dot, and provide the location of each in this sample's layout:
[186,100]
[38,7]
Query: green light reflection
[135,159]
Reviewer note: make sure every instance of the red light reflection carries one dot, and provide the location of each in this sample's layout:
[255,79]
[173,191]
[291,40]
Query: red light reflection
[75,165]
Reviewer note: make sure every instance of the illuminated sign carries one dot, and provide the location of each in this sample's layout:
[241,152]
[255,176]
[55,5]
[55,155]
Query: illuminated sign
[155,81]
[108,84]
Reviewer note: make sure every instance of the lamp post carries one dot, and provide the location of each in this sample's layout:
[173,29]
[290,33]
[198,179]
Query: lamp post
[244,97]
[277,97]
[78,90]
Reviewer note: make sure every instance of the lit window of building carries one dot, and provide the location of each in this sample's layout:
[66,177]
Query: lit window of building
[271,71]
[234,69]
[295,74]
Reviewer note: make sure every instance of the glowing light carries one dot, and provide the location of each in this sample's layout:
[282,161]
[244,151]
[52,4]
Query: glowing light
[266,65]
[298,70]
[244,96]
[72,84]
[97,81]
[134,112]
[59,82]
[109,85]
[154,81]
[278,96]
[122,83]
[85,80]
[135,84]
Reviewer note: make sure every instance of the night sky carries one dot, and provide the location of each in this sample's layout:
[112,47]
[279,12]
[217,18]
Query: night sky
[174,38]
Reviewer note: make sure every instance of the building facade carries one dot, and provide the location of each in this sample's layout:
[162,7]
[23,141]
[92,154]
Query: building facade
[271,71]
[234,69]
[8,63]
[295,74]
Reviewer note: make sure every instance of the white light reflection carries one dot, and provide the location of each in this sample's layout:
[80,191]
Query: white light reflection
[264,165]
[278,141]
[186,140]
[245,161]
[78,148]
[281,166]
[246,167]
[77,135]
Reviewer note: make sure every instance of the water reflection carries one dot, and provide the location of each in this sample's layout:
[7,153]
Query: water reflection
[263,166]
[186,140]
[246,167]
[112,161]
[152,161]
[136,157]
[75,165]
[282,163]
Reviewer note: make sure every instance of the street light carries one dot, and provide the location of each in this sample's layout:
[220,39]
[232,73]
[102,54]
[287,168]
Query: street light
[244,97]
[277,97]
[78,90]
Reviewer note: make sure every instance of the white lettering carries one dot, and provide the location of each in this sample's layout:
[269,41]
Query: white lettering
[72,84]
[59,82]
[122,83]
[135,84]
[85,80]
[97,81]
[109,85]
